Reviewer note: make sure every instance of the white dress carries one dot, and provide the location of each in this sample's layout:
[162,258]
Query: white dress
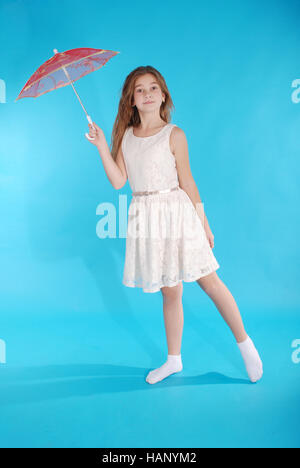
[166,242]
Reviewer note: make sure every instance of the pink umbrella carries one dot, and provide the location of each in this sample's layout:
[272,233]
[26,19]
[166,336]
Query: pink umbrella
[63,69]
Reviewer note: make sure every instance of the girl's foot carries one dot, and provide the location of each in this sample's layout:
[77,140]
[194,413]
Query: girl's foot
[252,360]
[172,365]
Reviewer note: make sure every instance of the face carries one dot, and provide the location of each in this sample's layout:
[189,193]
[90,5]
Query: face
[147,94]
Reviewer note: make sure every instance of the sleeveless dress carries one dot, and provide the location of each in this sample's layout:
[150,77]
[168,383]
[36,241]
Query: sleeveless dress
[165,242]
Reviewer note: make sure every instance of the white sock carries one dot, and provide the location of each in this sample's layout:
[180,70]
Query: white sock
[172,365]
[251,358]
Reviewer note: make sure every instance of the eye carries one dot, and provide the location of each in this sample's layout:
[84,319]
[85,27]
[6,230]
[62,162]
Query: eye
[140,89]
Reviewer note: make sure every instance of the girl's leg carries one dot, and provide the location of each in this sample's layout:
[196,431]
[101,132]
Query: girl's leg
[225,303]
[173,319]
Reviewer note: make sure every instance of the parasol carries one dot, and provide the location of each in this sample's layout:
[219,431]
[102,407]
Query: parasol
[63,69]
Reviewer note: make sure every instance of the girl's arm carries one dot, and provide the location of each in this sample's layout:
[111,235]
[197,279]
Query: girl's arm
[186,181]
[115,170]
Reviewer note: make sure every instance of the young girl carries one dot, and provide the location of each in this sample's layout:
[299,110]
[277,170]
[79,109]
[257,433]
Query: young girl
[152,154]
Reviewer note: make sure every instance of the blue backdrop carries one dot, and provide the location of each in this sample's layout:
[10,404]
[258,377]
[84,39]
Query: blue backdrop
[77,343]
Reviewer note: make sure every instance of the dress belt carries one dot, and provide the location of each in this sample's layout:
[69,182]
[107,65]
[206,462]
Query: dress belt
[155,191]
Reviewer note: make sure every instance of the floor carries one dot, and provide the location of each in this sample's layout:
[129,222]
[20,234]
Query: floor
[78,380]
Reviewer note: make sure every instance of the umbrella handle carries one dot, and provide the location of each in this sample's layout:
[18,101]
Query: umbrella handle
[91,122]
[89,138]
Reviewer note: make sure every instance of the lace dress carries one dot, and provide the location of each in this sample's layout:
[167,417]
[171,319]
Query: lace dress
[166,242]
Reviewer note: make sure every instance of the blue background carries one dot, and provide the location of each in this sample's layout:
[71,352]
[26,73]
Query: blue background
[79,344]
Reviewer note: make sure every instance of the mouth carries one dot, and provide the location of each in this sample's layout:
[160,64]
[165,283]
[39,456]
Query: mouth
[149,102]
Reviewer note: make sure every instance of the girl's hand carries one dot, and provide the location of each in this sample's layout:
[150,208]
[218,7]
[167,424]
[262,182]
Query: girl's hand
[97,134]
[209,236]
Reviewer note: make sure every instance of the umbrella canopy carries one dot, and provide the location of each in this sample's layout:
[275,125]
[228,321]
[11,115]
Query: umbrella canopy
[52,73]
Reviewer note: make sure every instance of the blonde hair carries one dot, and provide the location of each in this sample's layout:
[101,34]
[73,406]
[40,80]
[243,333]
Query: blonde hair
[128,115]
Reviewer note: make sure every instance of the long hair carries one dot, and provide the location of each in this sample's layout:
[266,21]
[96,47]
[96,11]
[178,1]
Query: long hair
[128,115]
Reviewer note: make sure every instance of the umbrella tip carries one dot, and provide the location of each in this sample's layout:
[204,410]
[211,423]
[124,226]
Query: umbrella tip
[55,51]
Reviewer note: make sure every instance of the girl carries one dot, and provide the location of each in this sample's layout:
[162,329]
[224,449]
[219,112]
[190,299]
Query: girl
[152,154]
